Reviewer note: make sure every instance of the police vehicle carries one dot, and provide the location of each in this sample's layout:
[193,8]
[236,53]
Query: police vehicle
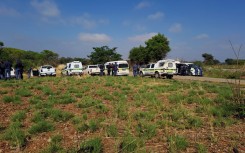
[162,68]
[72,68]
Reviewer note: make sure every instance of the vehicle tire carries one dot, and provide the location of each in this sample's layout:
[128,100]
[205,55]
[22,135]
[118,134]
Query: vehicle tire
[157,75]
[141,74]
[169,76]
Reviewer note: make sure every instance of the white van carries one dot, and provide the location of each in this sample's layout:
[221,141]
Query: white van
[73,68]
[123,67]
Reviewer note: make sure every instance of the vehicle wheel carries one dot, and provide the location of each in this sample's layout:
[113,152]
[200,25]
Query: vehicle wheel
[169,76]
[157,75]
[141,74]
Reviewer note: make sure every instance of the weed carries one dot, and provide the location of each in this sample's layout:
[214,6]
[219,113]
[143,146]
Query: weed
[93,145]
[59,115]
[176,98]
[19,116]
[15,135]
[41,126]
[111,131]
[23,92]
[146,130]
[82,127]
[194,121]
[35,100]
[3,92]
[177,143]
[54,145]
[201,148]
[14,99]
[66,99]
[47,90]
[129,144]
[138,115]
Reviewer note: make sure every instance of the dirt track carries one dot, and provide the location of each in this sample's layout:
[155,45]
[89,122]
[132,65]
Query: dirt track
[221,80]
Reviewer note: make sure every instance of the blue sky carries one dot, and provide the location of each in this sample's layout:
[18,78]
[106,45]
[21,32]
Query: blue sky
[73,27]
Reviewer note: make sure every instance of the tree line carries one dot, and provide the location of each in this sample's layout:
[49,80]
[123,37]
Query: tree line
[155,48]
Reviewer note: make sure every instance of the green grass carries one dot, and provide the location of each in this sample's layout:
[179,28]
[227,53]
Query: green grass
[15,135]
[131,114]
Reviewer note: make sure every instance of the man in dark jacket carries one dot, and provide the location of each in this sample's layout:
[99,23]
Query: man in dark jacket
[8,66]
[19,70]
[2,69]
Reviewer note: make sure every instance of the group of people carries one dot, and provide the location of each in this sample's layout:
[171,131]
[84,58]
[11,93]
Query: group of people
[111,69]
[6,67]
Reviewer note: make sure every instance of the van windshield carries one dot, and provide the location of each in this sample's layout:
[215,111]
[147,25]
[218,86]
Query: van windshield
[123,66]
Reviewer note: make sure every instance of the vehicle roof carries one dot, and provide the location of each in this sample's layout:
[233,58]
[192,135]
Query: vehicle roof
[117,61]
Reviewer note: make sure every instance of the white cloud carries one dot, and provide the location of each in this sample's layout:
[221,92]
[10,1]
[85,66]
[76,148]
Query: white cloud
[94,37]
[202,36]
[46,8]
[85,21]
[142,5]
[8,11]
[176,28]
[156,16]
[142,38]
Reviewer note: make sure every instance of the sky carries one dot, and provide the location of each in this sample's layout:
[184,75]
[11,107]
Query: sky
[72,28]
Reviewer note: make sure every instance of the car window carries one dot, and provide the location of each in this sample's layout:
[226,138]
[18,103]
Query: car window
[152,65]
[148,66]
[123,65]
[161,64]
[170,64]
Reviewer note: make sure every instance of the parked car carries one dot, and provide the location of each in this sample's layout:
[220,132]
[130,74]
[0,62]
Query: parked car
[47,70]
[72,68]
[92,70]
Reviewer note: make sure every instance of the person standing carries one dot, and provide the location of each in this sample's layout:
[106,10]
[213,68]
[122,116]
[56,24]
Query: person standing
[2,69]
[115,68]
[29,72]
[112,69]
[101,70]
[19,70]
[109,69]
[135,69]
[8,66]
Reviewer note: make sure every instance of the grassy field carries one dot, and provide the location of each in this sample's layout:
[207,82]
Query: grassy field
[117,114]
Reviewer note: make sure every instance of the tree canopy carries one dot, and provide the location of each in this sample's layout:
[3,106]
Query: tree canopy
[209,59]
[104,54]
[139,55]
[156,49]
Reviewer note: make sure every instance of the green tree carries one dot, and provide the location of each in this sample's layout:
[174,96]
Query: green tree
[139,55]
[104,54]
[49,57]
[157,47]
[1,44]
[209,59]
